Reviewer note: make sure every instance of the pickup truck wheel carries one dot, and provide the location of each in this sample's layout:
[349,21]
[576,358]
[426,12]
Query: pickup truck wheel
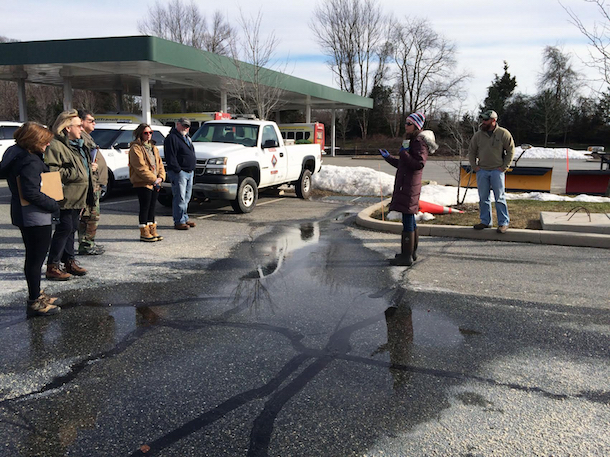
[303,185]
[247,195]
[105,192]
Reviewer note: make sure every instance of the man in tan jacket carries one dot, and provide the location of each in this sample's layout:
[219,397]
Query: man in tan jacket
[490,153]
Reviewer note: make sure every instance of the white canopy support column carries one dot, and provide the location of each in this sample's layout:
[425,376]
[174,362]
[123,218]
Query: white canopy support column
[23,104]
[333,119]
[145,92]
[308,109]
[119,100]
[224,107]
[67,94]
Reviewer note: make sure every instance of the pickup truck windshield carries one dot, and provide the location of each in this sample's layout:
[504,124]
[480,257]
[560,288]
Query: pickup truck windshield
[244,134]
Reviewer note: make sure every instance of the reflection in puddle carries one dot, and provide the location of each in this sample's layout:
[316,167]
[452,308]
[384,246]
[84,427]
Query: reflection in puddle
[399,323]
[268,254]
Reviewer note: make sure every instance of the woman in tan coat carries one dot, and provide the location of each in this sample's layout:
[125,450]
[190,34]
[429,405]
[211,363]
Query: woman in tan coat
[146,173]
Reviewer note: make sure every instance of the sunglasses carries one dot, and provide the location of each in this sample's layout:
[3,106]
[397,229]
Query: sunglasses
[147,133]
[409,123]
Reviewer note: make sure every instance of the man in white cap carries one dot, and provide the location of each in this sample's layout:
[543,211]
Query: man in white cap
[490,153]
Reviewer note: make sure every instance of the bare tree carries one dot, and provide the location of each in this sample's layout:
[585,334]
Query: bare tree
[185,24]
[258,76]
[459,131]
[426,67]
[598,36]
[351,33]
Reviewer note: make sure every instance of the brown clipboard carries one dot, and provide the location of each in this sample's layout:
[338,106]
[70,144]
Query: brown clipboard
[50,184]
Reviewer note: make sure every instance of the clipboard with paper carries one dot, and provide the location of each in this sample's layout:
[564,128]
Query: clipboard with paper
[50,184]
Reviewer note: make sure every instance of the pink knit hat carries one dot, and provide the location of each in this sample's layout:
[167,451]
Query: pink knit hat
[418,119]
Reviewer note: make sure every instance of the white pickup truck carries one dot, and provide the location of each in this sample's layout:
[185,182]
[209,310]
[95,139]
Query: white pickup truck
[236,158]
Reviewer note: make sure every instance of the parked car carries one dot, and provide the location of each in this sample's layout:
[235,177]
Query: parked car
[7,128]
[114,140]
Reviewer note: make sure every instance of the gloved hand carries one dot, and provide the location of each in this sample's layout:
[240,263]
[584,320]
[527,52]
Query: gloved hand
[385,154]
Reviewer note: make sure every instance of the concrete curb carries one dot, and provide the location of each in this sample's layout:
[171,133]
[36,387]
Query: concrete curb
[591,240]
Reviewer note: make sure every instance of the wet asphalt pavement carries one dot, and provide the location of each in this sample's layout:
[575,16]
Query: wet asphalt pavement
[297,339]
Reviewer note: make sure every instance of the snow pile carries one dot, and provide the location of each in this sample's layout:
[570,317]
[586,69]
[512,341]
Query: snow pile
[353,180]
[551,153]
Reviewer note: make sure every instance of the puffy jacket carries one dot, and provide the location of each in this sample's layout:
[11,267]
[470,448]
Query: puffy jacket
[410,164]
[17,162]
[75,177]
[141,169]
[178,154]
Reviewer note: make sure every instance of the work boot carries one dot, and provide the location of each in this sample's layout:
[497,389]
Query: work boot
[415,243]
[48,299]
[55,273]
[74,268]
[153,231]
[145,234]
[480,226]
[405,257]
[190,223]
[41,307]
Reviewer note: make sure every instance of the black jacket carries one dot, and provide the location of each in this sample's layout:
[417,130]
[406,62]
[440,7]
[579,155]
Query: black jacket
[19,162]
[177,153]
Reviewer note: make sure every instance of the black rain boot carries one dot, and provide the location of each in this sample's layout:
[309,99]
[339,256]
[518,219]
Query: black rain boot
[406,245]
[415,243]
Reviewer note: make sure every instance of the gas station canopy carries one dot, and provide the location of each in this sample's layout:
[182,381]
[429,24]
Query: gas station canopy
[153,67]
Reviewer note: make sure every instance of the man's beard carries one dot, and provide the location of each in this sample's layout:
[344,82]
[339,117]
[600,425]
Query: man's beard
[486,127]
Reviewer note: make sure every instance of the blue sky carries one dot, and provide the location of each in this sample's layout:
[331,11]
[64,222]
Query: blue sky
[485,32]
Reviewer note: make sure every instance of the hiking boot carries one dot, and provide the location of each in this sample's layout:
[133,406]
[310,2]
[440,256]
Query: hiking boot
[481,226]
[48,299]
[40,307]
[74,268]
[56,273]
[502,229]
[153,232]
[190,223]
[145,234]
[181,226]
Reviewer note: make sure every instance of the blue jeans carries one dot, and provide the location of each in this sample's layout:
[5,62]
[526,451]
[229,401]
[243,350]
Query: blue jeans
[493,179]
[182,187]
[408,222]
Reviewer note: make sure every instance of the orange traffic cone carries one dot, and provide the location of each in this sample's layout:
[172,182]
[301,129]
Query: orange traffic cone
[433,208]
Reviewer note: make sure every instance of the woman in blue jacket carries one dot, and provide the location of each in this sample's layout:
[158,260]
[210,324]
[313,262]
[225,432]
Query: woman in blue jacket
[23,162]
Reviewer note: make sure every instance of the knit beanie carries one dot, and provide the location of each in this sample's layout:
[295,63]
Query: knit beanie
[418,119]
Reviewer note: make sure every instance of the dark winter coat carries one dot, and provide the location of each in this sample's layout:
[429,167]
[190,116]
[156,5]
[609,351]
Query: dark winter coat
[178,154]
[410,164]
[17,162]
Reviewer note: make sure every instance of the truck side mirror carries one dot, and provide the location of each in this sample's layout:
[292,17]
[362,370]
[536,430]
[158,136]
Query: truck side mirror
[270,144]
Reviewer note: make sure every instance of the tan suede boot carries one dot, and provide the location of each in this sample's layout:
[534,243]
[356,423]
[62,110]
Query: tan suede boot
[153,231]
[41,307]
[145,234]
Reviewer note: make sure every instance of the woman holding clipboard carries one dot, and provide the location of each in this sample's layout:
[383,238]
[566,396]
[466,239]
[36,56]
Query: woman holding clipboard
[31,209]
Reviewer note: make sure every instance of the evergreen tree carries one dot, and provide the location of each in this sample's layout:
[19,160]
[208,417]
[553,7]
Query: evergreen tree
[499,92]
